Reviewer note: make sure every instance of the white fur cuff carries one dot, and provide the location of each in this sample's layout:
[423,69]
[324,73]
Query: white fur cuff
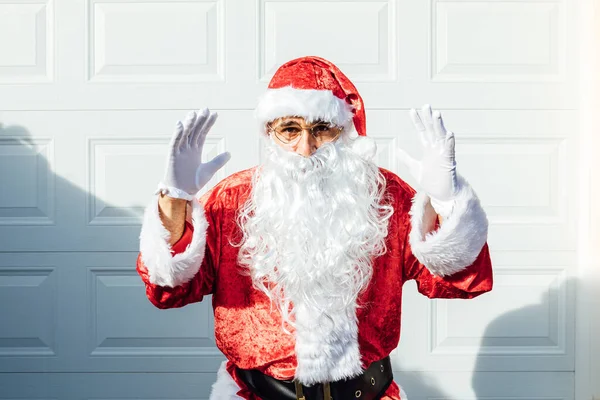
[459,239]
[165,269]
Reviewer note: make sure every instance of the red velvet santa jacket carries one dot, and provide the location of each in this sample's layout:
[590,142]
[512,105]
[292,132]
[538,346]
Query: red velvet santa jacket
[451,262]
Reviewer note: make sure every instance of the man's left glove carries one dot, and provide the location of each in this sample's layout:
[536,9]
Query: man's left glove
[435,173]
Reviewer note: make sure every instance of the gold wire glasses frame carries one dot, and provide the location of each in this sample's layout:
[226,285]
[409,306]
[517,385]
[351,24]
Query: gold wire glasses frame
[291,133]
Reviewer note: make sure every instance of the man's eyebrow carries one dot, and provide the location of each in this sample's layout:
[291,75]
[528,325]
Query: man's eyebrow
[288,123]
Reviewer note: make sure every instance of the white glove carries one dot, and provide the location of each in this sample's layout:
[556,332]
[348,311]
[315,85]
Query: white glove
[436,172]
[185,173]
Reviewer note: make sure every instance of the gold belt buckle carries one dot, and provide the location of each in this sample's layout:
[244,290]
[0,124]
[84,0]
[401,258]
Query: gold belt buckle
[300,393]
[327,391]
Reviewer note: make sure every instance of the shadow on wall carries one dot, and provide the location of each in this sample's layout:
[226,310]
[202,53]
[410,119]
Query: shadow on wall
[421,386]
[30,176]
[537,337]
[101,320]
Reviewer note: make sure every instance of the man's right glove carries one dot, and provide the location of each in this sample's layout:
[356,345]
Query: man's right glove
[185,172]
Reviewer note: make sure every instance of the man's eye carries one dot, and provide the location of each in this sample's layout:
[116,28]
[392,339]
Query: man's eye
[322,128]
[291,130]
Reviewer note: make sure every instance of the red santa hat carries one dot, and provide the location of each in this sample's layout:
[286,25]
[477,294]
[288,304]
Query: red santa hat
[313,88]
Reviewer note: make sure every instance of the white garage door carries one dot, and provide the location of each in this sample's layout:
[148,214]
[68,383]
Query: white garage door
[91,90]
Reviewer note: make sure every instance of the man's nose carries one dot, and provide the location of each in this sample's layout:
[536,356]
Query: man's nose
[307,145]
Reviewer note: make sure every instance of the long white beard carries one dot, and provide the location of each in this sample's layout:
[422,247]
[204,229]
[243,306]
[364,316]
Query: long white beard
[311,227]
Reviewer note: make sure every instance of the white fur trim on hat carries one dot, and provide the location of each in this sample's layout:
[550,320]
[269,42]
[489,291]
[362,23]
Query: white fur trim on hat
[460,237]
[310,104]
[164,269]
[364,146]
[224,387]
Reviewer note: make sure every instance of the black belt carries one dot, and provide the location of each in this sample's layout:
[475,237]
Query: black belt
[370,385]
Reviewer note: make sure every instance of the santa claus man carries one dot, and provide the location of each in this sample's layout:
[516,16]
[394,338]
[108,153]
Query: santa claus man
[305,255]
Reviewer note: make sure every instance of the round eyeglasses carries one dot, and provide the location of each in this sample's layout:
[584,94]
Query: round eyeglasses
[290,132]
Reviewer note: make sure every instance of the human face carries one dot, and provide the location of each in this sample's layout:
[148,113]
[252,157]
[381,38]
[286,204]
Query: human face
[288,133]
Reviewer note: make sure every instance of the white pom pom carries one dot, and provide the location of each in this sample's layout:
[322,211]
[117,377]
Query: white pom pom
[365,147]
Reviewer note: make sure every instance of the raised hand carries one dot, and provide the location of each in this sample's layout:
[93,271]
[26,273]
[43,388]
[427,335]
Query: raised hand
[185,172]
[435,173]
